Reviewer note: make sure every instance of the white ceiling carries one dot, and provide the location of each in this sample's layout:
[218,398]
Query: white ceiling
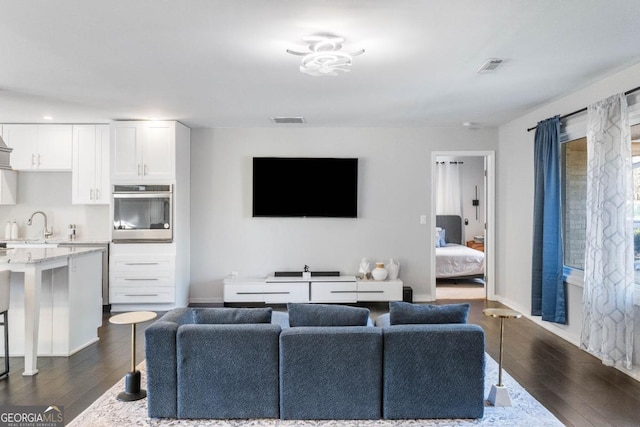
[222,63]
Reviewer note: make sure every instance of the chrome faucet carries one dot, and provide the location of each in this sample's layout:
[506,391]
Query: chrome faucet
[46,233]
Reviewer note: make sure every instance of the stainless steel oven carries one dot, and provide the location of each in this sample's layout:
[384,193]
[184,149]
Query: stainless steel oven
[142,213]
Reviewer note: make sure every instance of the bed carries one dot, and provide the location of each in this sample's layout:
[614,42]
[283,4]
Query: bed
[454,260]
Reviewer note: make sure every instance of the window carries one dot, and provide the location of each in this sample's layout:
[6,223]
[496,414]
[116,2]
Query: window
[574,201]
[574,197]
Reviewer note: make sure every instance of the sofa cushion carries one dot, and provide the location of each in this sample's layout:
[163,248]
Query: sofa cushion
[327,315]
[232,316]
[404,313]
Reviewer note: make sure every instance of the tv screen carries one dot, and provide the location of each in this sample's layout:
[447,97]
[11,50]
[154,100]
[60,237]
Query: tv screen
[305,187]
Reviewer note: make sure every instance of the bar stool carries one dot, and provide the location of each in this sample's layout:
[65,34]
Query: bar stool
[5,287]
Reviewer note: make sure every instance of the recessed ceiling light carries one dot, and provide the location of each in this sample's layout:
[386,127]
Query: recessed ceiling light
[47,117]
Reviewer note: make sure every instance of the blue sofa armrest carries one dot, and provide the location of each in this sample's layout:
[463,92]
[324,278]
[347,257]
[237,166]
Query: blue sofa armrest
[332,372]
[433,371]
[228,371]
[160,353]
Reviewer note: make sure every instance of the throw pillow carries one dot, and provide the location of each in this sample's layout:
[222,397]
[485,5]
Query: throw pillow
[404,313]
[327,315]
[440,237]
[232,315]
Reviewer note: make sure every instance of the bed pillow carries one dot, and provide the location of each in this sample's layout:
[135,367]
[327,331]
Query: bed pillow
[439,236]
[440,240]
[232,315]
[326,315]
[404,313]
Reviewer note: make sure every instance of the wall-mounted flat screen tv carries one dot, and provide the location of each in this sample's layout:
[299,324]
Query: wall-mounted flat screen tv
[305,187]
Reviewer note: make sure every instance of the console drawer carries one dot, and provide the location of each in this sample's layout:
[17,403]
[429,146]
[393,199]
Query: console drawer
[281,293]
[333,291]
[380,291]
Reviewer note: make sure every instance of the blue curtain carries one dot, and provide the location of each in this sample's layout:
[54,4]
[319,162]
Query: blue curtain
[547,286]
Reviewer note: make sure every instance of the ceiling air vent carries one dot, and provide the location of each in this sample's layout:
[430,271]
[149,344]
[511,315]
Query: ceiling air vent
[489,65]
[288,120]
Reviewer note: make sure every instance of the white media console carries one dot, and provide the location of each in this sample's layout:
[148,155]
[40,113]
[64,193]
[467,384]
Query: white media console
[329,289]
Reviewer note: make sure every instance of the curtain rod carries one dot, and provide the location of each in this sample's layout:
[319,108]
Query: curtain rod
[582,110]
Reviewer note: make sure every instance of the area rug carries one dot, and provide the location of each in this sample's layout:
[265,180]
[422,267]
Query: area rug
[107,411]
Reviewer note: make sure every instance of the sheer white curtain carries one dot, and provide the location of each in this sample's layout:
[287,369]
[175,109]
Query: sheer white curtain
[449,188]
[607,327]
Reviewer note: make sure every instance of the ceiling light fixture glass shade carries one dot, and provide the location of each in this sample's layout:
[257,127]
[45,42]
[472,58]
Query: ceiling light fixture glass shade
[325,57]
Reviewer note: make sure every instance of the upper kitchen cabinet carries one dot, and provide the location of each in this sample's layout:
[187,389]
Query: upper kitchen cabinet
[39,147]
[90,174]
[143,151]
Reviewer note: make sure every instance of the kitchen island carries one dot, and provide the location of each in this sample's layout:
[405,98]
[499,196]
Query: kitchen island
[56,301]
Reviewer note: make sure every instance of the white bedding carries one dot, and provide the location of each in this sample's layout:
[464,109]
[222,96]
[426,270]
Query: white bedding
[456,260]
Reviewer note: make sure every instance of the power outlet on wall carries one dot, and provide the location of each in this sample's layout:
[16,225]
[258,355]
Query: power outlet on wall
[423,219]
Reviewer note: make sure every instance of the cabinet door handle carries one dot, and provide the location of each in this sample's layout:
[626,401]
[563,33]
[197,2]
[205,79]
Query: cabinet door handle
[140,295]
[97,194]
[141,263]
[140,279]
[33,159]
[38,159]
[139,169]
[145,170]
[91,194]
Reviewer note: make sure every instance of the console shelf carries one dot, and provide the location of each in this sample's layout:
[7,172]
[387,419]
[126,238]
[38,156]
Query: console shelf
[323,289]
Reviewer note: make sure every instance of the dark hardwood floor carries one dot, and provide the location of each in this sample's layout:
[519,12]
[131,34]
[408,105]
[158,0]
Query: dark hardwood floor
[573,385]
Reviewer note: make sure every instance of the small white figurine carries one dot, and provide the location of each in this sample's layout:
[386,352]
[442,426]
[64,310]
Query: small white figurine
[364,268]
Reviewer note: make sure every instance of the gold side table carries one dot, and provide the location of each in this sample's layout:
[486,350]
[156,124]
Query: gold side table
[499,395]
[132,379]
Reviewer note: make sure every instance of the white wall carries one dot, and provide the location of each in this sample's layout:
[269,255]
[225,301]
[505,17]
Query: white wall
[515,199]
[50,192]
[394,190]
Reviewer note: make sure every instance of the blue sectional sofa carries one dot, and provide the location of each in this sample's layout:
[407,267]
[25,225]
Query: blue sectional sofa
[316,362]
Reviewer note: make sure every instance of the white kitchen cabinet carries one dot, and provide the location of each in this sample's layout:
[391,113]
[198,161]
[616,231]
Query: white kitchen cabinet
[39,147]
[140,279]
[143,151]
[90,173]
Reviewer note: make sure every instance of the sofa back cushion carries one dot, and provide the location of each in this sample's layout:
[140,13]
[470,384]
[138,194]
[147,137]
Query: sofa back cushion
[232,316]
[404,313]
[327,315]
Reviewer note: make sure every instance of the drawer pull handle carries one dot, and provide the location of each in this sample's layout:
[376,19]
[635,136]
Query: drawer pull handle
[141,295]
[371,292]
[141,263]
[263,293]
[343,292]
[140,278]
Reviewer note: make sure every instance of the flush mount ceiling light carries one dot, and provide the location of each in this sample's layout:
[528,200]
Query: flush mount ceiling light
[325,56]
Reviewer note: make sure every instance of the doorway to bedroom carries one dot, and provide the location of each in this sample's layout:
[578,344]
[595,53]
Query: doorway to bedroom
[462,212]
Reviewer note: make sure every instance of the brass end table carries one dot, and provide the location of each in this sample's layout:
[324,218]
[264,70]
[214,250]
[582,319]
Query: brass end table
[132,379]
[499,394]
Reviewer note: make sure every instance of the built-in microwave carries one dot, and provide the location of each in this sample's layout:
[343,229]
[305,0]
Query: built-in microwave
[142,213]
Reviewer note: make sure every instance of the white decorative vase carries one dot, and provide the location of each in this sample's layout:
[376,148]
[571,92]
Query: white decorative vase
[393,268]
[379,273]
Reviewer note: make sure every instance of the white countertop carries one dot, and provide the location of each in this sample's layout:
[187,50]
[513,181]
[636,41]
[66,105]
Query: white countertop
[56,241]
[36,255]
